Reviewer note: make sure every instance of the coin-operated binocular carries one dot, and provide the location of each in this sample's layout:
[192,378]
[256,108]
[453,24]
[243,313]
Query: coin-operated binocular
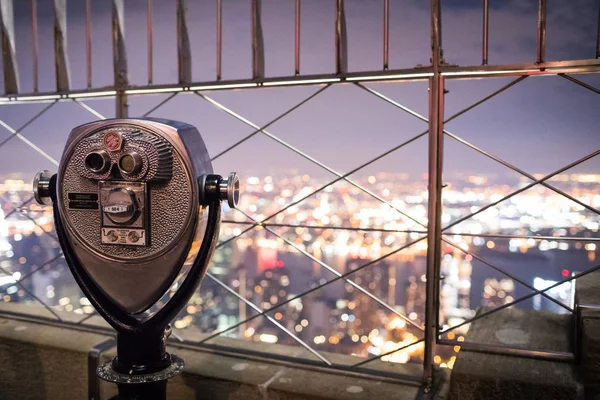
[137,208]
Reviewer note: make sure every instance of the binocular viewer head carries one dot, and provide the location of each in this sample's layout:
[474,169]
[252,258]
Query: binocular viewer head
[132,197]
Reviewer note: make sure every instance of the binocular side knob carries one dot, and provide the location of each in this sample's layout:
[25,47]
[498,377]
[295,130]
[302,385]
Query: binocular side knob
[41,188]
[215,187]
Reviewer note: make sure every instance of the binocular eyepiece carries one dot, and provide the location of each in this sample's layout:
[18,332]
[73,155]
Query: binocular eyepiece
[135,200]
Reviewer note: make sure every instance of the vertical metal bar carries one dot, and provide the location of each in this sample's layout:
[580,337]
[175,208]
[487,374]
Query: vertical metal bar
[386,33]
[9,57]
[434,229]
[541,34]
[149,40]
[297,40]
[184,54]
[486,19]
[258,52]
[88,41]
[61,59]
[341,45]
[598,36]
[34,45]
[119,57]
[219,37]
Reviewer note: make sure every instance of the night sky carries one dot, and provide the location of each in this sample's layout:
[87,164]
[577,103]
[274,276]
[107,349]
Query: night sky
[538,125]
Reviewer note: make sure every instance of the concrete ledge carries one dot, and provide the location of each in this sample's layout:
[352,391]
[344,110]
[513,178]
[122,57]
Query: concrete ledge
[479,375]
[40,361]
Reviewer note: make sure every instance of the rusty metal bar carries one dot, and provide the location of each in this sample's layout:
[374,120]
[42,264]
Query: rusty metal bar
[88,41]
[341,43]
[219,38]
[184,53]
[297,39]
[9,56]
[119,57]
[541,31]
[386,33]
[61,59]
[34,45]
[258,49]
[486,19]
[598,35]
[149,40]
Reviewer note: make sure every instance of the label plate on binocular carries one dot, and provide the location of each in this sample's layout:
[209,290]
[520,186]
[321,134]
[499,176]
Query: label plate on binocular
[132,237]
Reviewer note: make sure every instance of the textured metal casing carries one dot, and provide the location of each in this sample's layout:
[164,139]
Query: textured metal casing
[136,277]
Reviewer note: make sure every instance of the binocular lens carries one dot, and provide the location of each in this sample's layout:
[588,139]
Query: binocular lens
[97,161]
[130,163]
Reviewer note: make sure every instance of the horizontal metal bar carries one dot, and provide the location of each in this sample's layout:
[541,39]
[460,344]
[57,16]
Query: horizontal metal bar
[508,236]
[339,228]
[388,353]
[511,351]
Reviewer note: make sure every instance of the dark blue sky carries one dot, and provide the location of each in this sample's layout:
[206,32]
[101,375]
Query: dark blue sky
[539,125]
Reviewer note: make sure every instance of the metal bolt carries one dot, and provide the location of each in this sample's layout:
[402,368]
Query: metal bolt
[229,189]
[41,187]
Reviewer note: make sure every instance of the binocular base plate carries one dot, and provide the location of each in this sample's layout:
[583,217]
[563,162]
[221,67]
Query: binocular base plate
[107,373]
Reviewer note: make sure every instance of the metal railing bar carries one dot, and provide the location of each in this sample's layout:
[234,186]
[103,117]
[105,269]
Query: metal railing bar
[520,171]
[297,38]
[386,33]
[270,319]
[87,317]
[521,299]
[541,31]
[480,347]
[162,103]
[257,130]
[503,236]
[598,35]
[224,242]
[311,290]
[219,37]
[524,188]
[336,273]
[580,83]
[340,228]
[88,42]
[387,353]
[46,306]
[546,295]
[34,45]
[18,208]
[88,108]
[149,40]
[341,42]
[486,18]
[305,156]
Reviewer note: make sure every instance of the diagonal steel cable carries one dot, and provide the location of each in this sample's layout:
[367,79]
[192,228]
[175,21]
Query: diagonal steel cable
[546,295]
[521,299]
[382,155]
[387,353]
[88,108]
[17,133]
[162,103]
[301,199]
[33,271]
[18,283]
[524,188]
[306,156]
[25,213]
[489,155]
[520,171]
[580,83]
[257,130]
[313,289]
[336,273]
[269,318]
